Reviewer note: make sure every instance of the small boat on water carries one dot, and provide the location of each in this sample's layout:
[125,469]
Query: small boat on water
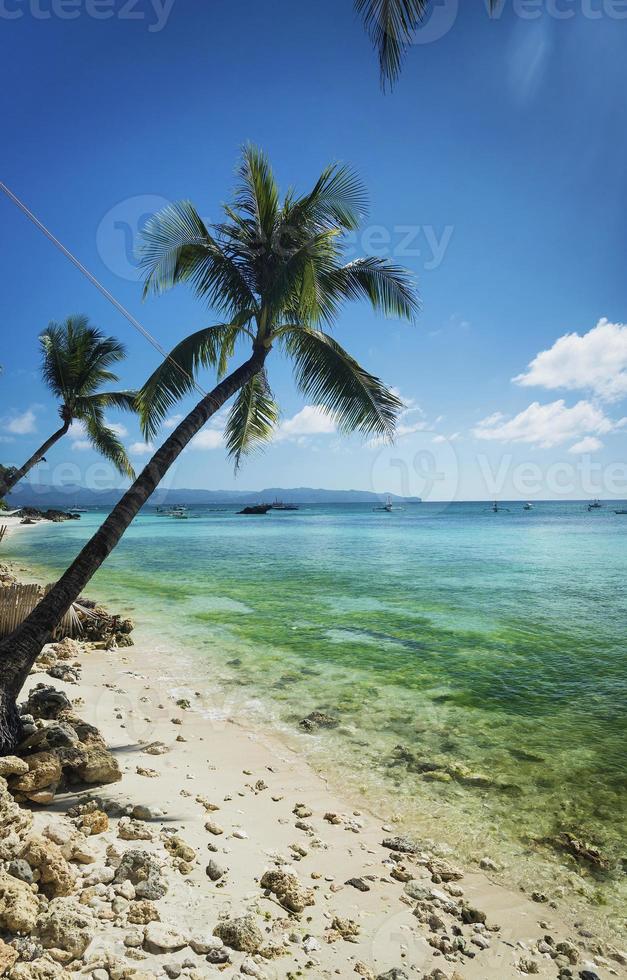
[387,506]
[256,509]
[178,511]
[595,505]
[624,511]
[279,505]
[528,506]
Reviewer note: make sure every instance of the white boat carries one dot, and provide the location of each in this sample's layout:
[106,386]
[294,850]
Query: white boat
[595,505]
[387,506]
[528,506]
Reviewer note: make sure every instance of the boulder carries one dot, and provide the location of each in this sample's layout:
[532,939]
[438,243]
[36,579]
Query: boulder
[10,765]
[46,702]
[18,905]
[99,765]
[316,720]
[39,969]
[13,818]
[242,934]
[56,877]
[8,956]
[67,927]
[96,822]
[44,771]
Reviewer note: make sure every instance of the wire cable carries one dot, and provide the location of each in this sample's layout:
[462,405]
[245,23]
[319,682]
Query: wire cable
[99,286]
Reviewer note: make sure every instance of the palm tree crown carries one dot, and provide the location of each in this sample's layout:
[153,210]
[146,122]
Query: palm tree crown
[76,362]
[275,272]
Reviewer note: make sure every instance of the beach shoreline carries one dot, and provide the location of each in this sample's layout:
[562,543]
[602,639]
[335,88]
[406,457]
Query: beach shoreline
[131,698]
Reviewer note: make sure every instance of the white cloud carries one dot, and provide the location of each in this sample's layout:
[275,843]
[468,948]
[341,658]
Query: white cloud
[547,425]
[595,361]
[20,425]
[76,431]
[208,439]
[172,422]
[81,444]
[589,444]
[312,420]
[141,448]
[119,429]
[452,438]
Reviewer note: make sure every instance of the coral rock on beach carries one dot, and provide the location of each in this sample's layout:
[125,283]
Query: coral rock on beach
[66,928]
[18,905]
[242,934]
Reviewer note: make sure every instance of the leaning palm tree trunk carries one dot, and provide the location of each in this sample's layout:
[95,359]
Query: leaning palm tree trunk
[19,651]
[7,484]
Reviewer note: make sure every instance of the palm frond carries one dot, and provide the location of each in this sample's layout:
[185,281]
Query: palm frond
[257,194]
[106,442]
[338,198]
[177,247]
[391,24]
[124,400]
[326,373]
[252,418]
[174,378]
[389,288]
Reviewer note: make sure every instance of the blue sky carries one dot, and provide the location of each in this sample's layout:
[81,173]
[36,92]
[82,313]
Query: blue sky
[495,172]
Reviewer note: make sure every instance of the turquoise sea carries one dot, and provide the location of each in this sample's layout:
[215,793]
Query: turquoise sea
[476,662]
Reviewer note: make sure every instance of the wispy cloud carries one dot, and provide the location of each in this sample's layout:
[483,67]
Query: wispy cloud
[141,448]
[589,444]
[312,420]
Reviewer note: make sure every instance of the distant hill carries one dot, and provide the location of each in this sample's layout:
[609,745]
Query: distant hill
[72,495]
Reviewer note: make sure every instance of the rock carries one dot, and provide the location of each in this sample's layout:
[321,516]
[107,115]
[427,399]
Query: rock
[177,848]
[99,766]
[44,769]
[171,970]
[27,949]
[18,905]
[359,884]
[589,975]
[21,869]
[66,926]
[214,871]
[144,872]
[346,928]
[289,891]
[56,877]
[67,649]
[394,974]
[96,822]
[10,765]
[39,969]
[417,891]
[443,870]
[203,943]
[8,956]
[316,720]
[528,966]
[143,812]
[403,844]
[143,912]
[242,934]
[134,939]
[250,969]
[156,748]
[46,702]
[471,915]
[65,673]
[160,938]
[133,830]
[13,820]
[214,828]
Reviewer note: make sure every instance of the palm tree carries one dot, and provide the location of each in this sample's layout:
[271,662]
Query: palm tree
[391,25]
[76,362]
[276,273]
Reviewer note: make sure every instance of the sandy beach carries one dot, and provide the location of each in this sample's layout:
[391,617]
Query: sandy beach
[254,850]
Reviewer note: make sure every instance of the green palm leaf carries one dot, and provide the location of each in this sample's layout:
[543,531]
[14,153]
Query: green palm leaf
[391,25]
[252,418]
[106,442]
[174,378]
[325,372]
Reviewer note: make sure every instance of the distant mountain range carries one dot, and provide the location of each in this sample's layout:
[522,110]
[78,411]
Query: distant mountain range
[71,495]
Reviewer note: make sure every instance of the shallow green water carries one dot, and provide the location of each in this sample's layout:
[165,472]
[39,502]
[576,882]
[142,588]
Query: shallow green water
[490,646]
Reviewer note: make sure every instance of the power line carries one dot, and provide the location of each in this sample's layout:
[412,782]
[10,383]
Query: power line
[102,289]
